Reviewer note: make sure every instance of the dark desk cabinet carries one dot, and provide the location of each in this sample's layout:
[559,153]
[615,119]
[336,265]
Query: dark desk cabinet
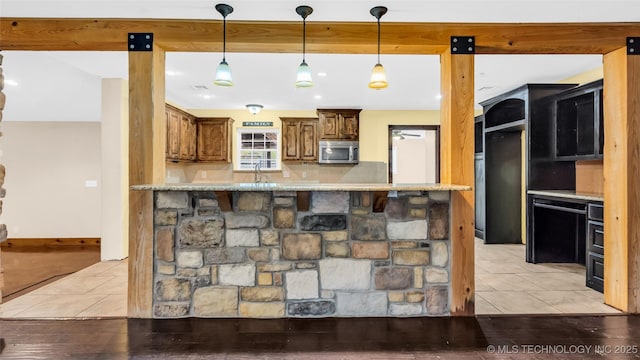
[595,247]
[567,230]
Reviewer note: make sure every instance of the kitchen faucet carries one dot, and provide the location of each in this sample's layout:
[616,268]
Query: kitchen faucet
[257,172]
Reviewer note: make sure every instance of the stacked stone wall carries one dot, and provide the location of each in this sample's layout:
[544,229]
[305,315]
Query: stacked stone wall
[268,259]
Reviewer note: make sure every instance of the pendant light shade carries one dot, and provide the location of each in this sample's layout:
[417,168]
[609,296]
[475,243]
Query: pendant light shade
[223,72]
[378,77]
[303,75]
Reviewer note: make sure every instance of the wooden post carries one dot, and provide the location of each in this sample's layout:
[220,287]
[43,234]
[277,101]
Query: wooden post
[621,174]
[147,142]
[457,167]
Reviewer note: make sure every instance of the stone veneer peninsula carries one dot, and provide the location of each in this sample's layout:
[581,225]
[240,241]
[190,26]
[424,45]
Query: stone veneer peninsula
[283,250]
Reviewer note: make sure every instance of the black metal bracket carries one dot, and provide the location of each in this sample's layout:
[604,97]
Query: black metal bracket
[633,46]
[463,44]
[140,41]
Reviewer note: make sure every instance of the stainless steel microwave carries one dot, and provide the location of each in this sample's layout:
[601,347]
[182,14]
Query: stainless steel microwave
[338,152]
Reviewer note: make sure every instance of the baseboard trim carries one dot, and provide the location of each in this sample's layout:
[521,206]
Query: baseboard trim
[49,242]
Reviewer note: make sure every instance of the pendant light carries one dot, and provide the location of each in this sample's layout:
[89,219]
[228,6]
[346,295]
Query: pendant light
[378,77]
[223,72]
[303,75]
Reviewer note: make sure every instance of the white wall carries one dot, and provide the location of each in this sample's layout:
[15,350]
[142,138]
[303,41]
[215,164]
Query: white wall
[115,169]
[47,166]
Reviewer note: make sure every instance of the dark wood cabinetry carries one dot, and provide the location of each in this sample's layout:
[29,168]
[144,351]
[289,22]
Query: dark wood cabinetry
[595,246]
[299,139]
[507,158]
[567,230]
[578,123]
[479,177]
[557,230]
[181,135]
[214,139]
[339,124]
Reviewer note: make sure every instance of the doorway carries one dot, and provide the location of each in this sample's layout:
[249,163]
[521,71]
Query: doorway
[414,154]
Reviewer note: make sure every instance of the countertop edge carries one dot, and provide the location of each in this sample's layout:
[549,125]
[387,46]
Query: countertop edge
[301,187]
[568,194]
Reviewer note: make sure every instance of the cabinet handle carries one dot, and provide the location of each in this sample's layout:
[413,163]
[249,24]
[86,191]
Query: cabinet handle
[560,208]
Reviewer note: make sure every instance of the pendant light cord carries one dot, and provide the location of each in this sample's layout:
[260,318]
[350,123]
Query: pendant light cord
[378,40]
[224,38]
[304,38]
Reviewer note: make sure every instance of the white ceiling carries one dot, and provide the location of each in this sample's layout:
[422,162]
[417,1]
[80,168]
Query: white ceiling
[65,86]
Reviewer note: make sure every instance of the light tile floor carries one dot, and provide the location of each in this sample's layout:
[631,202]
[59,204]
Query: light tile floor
[97,291]
[505,284]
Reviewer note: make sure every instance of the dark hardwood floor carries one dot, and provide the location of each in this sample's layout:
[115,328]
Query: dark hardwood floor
[485,337]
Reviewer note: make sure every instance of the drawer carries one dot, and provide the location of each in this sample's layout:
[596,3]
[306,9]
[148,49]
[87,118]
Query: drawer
[595,212]
[595,271]
[596,237]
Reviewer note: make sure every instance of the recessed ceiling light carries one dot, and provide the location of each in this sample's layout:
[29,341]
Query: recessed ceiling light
[322,74]
[205,96]
[318,97]
[11,82]
[172,73]
[439,96]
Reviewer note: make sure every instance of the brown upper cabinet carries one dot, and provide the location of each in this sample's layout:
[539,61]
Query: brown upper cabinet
[214,139]
[181,135]
[299,139]
[339,124]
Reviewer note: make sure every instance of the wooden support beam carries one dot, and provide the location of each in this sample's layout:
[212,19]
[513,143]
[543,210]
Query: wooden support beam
[621,174]
[457,167]
[303,200]
[147,142]
[225,200]
[322,37]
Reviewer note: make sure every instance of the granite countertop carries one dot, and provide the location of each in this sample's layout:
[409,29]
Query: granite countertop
[301,187]
[569,194]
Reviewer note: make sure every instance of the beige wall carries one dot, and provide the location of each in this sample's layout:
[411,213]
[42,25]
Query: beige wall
[585,77]
[115,170]
[47,165]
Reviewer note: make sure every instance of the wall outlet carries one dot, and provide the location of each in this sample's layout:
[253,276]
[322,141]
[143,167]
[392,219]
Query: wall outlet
[91,183]
[304,174]
[285,174]
[204,174]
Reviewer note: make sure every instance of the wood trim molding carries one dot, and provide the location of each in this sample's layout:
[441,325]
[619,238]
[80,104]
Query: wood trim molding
[322,37]
[49,242]
[457,167]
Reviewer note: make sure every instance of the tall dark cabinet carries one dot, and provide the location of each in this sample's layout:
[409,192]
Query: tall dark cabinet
[515,161]
[479,177]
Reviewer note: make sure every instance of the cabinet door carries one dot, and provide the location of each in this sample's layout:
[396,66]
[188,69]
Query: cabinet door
[192,139]
[186,141]
[212,141]
[290,140]
[308,141]
[173,134]
[349,126]
[329,125]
